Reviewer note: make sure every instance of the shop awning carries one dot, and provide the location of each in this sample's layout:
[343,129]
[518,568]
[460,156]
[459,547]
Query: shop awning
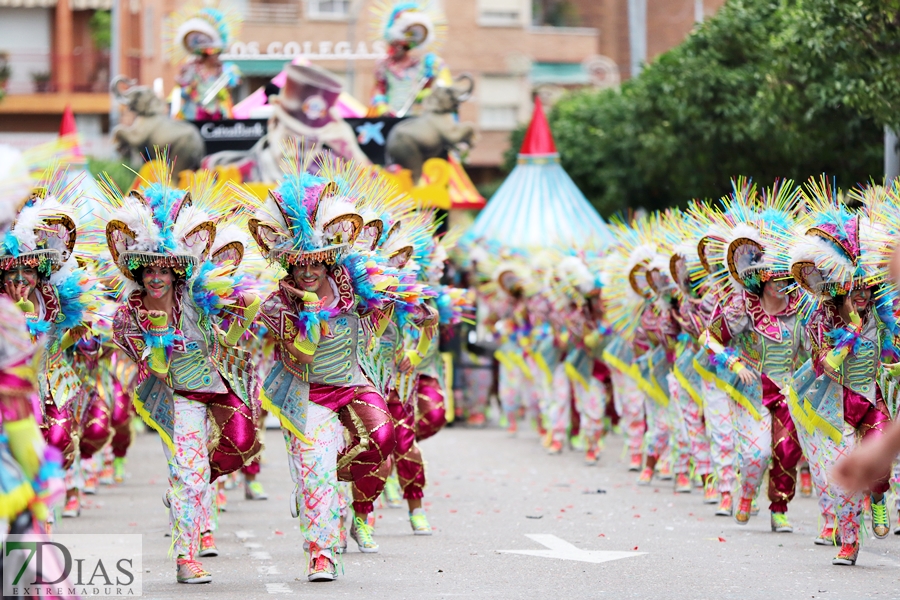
[559,74]
[259,67]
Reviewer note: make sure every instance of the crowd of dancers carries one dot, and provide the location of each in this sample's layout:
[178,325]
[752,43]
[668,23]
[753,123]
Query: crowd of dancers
[728,339]
[154,300]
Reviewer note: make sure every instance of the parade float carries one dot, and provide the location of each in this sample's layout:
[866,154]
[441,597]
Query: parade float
[409,129]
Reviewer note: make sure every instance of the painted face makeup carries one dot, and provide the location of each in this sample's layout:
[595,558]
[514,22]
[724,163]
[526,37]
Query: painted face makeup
[860,298]
[158,281]
[22,275]
[776,289]
[311,277]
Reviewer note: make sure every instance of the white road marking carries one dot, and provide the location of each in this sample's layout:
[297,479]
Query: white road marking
[260,555]
[278,588]
[561,549]
[268,570]
[243,535]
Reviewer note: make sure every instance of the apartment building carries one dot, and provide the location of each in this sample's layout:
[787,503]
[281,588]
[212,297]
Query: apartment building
[512,48]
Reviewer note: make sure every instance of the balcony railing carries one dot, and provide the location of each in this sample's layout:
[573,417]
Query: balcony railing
[272,12]
[34,72]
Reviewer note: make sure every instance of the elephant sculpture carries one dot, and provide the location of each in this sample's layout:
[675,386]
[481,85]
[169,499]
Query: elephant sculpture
[413,141]
[153,128]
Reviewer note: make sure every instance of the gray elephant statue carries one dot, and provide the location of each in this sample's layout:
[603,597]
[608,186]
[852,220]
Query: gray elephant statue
[436,131]
[154,128]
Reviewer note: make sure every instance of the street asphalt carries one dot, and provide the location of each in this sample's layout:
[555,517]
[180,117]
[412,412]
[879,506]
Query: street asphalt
[488,493]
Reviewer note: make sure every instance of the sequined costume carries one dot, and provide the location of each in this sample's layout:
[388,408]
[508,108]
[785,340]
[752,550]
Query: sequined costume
[837,397]
[196,388]
[770,345]
[31,480]
[42,243]
[317,387]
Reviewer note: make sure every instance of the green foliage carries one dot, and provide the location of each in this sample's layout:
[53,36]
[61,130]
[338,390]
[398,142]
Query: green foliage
[488,189]
[101,29]
[765,88]
[122,174]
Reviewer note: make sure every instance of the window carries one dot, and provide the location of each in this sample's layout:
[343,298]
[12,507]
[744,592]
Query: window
[500,13]
[328,9]
[498,118]
[500,102]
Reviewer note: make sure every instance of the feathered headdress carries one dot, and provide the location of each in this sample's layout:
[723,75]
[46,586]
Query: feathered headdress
[758,230]
[45,230]
[420,23]
[305,219]
[827,260]
[164,226]
[625,275]
[200,28]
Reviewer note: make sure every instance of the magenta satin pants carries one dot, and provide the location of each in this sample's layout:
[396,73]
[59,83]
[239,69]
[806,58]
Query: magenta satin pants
[234,423]
[430,414]
[58,428]
[95,427]
[364,413]
[120,421]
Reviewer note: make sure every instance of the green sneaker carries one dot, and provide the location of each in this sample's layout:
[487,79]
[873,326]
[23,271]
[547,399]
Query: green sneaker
[780,523]
[419,522]
[253,490]
[361,532]
[881,524]
[119,469]
[393,496]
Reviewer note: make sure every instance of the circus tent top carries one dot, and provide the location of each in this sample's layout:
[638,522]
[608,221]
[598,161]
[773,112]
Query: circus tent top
[539,205]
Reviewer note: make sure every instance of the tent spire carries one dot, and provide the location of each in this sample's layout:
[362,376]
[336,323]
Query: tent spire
[538,139]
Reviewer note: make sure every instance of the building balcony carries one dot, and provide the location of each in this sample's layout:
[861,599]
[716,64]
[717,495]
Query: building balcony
[34,72]
[33,86]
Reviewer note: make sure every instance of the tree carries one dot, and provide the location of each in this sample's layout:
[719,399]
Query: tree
[728,101]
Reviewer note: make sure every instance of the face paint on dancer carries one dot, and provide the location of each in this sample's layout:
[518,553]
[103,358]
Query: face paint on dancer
[20,282]
[775,289]
[859,299]
[311,277]
[158,281]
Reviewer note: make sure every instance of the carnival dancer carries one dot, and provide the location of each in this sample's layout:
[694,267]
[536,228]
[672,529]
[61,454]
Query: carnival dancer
[716,408]
[41,275]
[658,336]
[840,263]
[201,32]
[416,397]
[692,314]
[506,299]
[308,226]
[193,379]
[588,375]
[411,28]
[625,298]
[760,317]
[124,379]
[31,478]
[94,430]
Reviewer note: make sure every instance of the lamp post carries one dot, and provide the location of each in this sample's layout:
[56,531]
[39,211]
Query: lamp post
[891,156]
[637,34]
